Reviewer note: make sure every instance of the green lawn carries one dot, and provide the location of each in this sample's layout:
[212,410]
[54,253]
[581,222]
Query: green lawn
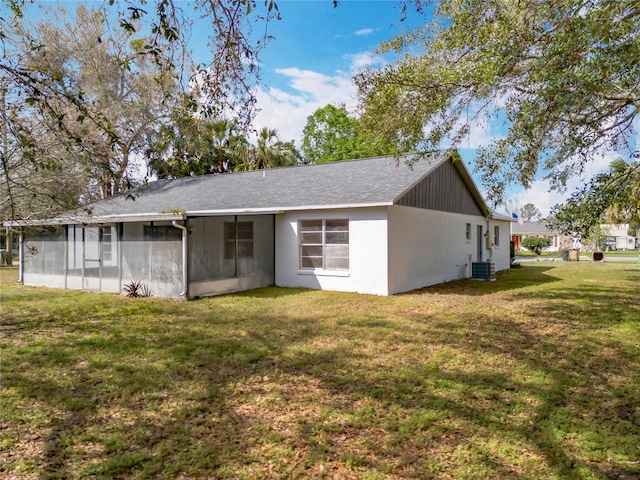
[534,376]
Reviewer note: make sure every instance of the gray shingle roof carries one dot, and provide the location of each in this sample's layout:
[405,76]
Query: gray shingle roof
[375,181]
[353,183]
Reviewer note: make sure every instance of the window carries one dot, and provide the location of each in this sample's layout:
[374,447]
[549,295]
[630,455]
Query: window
[324,244]
[161,233]
[468,231]
[106,245]
[496,236]
[244,237]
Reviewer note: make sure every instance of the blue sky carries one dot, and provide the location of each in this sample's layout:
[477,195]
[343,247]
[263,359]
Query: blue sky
[317,49]
[311,61]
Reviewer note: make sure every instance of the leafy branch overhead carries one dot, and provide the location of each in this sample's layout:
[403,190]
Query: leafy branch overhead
[564,76]
[610,197]
[88,93]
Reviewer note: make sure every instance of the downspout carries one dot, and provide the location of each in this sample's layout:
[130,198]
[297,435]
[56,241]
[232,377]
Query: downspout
[21,257]
[185,263]
[66,256]
[120,231]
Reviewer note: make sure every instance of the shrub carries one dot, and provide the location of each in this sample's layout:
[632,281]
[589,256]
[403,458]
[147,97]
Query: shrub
[137,289]
[536,244]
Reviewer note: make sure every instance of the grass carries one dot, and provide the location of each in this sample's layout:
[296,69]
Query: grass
[534,376]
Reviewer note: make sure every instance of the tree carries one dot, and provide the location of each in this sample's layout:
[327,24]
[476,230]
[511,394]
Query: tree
[44,71]
[536,244]
[294,152]
[269,152]
[530,213]
[225,83]
[610,197]
[83,151]
[197,146]
[331,134]
[564,75]
[37,178]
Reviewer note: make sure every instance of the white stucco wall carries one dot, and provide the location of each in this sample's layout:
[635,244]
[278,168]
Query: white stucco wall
[500,254]
[427,247]
[368,270]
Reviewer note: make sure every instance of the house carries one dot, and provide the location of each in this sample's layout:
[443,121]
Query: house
[617,237]
[538,229]
[379,226]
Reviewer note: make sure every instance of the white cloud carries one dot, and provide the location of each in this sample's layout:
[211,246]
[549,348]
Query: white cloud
[365,59]
[481,134]
[287,112]
[307,90]
[544,199]
[364,31]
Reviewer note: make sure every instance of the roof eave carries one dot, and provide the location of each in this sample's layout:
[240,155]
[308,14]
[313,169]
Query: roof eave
[164,217]
[97,219]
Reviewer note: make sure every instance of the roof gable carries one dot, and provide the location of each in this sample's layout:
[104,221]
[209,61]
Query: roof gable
[443,189]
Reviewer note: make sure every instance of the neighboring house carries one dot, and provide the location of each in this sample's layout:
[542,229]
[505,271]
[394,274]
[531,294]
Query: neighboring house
[617,237]
[538,229]
[374,226]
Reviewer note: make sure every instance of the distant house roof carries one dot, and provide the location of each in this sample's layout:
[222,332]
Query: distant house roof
[367,182]
[531,228]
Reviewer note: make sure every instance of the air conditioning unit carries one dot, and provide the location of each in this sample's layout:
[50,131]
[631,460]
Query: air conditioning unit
[483,270]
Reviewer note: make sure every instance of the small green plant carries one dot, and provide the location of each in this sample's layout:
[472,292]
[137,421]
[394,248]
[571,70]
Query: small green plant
[137,289]
[536,244]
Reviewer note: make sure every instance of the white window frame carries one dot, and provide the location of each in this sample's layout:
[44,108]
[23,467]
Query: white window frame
[323,243]
[496,235]
[468,233]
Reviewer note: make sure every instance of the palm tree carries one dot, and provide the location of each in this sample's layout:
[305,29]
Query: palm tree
[270,152]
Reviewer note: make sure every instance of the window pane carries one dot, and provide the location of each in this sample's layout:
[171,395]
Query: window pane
[245,230]
[310,225]
[311,238]
[307,251]
[245,249]
[337,237]
[337,263]
[311,262]
[340,225]
[106,245]
[337,251]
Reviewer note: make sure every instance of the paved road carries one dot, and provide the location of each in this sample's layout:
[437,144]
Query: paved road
[583,258]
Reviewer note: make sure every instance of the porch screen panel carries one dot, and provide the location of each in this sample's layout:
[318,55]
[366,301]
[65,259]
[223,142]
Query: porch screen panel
[258,259]
[166,252]
[211,256]
[215,242]
[152,252]
[74,250]
[44,250]
[92,252]
[110,254]
[136,264]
